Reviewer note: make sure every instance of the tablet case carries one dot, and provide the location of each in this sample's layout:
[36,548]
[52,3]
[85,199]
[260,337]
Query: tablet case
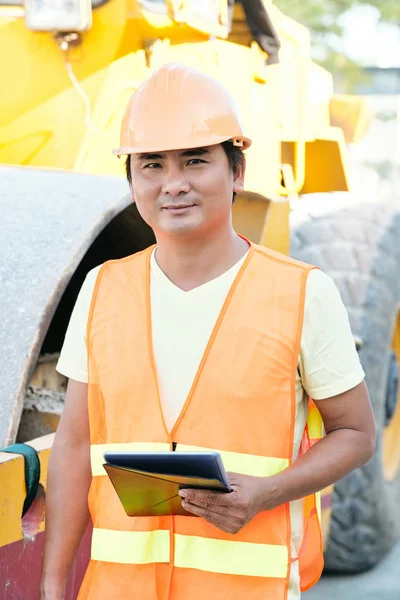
[151,494]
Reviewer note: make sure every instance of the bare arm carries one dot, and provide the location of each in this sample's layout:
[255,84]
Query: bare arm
[69,478]
[349,443]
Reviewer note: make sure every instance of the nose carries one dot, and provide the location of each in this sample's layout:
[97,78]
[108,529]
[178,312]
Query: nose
[175,183]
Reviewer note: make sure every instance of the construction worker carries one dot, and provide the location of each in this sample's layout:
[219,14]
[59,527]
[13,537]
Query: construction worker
[203,341]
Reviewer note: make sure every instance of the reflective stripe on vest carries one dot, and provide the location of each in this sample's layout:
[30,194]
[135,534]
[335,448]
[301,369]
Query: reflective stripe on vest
[191,552]
[314,423]
[131,547]
[97,452]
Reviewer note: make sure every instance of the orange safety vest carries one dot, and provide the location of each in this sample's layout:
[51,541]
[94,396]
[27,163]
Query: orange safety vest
[242,404]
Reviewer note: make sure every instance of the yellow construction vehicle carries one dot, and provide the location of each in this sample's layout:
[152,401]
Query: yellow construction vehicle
[67,71]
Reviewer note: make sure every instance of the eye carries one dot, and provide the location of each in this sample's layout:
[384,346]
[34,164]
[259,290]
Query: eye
[152,166]
[196,161]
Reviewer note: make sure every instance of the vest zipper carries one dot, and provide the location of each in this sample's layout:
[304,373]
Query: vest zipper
[173,446]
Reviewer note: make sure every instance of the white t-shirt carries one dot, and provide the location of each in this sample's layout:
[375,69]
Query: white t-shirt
[182,323]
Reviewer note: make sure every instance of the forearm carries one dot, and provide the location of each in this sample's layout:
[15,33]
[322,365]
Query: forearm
[67,514]
[333,457]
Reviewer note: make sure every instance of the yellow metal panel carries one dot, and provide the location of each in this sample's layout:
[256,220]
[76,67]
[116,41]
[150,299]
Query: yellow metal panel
[120,81]
[44,123]
[249,214]
[391,437]
[38,58]
[51,133]
[295,61]
[326,163]
[12,496]
[263,221]
[276,230]
[320,91]
[13,492]
[259,105]
[352,114]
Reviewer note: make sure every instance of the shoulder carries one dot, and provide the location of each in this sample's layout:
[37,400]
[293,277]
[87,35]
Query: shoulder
[87,288]
[128,265]
[280,258]
[318,283]
[320,288]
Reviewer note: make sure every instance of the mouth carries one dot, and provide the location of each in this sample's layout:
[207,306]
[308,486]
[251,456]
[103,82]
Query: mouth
[177,208]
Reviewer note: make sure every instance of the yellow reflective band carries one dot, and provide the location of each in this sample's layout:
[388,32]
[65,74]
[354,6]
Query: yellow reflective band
[232,558]
[131,547]
[318,504]
[315,423]
[245,464]
[97,451]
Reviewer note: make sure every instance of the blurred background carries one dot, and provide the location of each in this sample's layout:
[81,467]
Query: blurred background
[359,43]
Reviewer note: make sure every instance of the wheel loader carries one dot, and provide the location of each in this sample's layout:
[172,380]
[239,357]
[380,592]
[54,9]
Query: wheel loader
[68,69]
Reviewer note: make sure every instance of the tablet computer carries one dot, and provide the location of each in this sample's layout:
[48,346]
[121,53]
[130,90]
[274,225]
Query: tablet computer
[202,465]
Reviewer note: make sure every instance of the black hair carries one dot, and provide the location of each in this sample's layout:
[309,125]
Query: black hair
[236,160]
[235,156]
[128,169]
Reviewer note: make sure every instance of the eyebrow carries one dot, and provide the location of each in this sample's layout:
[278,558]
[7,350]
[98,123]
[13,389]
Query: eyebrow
[196,152]
[186,154]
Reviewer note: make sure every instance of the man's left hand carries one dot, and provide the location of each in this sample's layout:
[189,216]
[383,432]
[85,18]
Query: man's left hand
[231,511]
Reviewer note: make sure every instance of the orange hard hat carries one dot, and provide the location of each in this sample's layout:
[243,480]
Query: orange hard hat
[179,107]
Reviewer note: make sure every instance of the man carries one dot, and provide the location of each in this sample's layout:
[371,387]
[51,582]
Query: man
[205,341]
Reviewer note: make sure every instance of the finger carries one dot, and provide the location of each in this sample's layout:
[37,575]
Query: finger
[206,498]
[220,521]
[207,514]
[199,511]
[215,510]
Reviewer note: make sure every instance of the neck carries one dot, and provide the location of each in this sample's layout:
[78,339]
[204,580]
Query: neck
[191,263]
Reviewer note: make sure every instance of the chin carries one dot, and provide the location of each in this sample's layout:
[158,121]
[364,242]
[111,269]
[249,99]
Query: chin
[183,227]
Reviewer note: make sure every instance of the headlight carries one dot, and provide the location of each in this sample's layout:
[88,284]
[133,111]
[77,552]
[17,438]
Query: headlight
[58,15]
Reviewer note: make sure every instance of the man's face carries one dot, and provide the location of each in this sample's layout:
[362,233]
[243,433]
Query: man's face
[185,191]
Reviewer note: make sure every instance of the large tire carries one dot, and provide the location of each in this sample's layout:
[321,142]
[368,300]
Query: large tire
[359,247]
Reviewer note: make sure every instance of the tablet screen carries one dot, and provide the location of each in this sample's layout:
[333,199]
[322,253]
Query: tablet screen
[205,464]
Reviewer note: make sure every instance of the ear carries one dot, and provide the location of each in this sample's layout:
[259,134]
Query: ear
[238,179]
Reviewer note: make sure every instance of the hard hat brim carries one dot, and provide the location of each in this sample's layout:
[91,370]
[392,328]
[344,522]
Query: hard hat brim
[240,141]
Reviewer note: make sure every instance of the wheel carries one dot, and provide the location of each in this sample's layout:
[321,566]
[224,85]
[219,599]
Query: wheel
[358,245]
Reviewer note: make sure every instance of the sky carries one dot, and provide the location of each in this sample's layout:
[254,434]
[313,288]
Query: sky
[369,42]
